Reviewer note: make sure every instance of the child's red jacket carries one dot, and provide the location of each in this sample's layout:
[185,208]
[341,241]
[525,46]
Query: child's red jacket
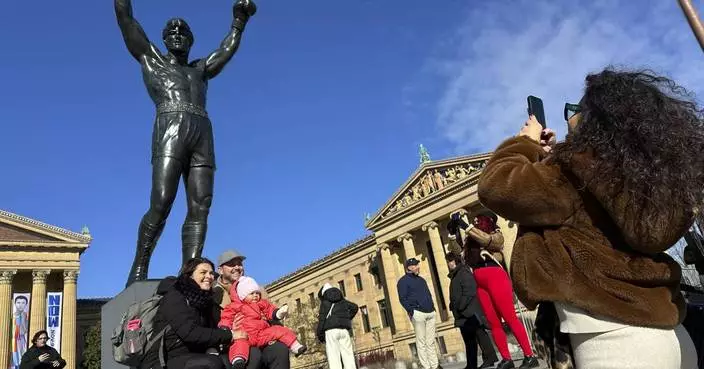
[256,315]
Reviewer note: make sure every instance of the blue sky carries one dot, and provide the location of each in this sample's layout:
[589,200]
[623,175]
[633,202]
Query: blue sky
[317,120]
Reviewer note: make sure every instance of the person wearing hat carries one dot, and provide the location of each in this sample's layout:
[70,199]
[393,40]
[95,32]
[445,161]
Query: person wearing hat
[334,323]
[256,313]
[230,269]
[415,297]
[494,289]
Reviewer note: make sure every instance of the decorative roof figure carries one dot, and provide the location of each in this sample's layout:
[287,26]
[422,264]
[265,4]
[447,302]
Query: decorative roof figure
[424,156]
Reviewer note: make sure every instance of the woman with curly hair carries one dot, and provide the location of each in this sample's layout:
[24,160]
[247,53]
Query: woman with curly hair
[482,251]
[596,214]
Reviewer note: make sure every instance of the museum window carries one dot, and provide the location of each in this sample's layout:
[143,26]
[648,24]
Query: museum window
[365,319]
[358,281]
[341,286]
[441,345]
[377,282]
[311,300]
[383,313]
[302,331]
[298,304]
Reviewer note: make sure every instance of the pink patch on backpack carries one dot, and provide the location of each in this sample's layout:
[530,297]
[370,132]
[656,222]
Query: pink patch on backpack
[134,324]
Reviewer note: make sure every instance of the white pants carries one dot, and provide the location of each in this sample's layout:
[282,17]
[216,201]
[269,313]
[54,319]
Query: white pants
[338,348]
[424,326]
[635,347]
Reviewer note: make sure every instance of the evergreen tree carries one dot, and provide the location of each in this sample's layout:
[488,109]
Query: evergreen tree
[91,353]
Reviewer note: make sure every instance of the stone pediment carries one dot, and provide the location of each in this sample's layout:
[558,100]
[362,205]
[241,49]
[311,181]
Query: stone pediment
[431,181]
[18,230]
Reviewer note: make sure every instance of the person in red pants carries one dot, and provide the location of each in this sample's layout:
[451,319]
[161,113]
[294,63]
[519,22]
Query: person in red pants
[256,312]
[494,288]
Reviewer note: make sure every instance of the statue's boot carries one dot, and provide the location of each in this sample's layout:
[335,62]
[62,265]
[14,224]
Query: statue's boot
[147,237]
[192,239]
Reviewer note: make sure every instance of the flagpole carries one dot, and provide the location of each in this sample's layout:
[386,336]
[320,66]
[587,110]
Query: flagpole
[693,18]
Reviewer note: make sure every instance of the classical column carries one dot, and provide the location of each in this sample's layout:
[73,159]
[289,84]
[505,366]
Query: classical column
[5,315]
[440,263]
[398,313]
[68,319]
[37,317]
[409,249]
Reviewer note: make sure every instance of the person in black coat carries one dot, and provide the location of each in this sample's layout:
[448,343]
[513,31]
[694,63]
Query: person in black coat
[468,314]
[40,355]
[187,307]
[334,323]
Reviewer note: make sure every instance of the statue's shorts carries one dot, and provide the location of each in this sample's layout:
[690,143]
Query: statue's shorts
[183,131]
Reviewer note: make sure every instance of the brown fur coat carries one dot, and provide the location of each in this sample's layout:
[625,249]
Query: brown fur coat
[576,245]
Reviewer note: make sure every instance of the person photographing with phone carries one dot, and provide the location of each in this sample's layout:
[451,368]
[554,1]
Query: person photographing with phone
[494,291]
[596,214]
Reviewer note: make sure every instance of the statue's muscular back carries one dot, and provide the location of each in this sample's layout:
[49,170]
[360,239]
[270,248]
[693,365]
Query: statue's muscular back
[168,81]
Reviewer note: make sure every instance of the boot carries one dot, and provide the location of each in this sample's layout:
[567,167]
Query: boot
[529,362]
[239,363]
[486,365]
[147,237]
[302,350]
[505,364]
[192,239]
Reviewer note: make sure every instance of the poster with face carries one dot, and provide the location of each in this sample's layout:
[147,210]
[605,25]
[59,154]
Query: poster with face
[20,325]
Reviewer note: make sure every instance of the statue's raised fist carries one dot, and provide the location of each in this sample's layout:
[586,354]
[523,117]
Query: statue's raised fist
[244,8]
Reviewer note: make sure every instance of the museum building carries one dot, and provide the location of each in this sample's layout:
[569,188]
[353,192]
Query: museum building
[39,266]
[411,224]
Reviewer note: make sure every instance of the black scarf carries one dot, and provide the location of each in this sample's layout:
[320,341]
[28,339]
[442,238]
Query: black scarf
[196,297]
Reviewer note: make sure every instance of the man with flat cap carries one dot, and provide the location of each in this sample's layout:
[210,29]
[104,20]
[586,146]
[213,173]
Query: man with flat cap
[415,297]
[230,269]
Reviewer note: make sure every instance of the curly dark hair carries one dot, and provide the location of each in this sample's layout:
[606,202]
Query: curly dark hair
[646,135]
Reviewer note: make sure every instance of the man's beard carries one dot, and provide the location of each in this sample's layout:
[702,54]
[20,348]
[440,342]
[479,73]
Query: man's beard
[234,277]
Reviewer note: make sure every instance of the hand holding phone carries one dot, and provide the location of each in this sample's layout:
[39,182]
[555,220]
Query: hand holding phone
[535,108]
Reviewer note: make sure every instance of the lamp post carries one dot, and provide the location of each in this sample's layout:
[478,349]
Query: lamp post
[693,19]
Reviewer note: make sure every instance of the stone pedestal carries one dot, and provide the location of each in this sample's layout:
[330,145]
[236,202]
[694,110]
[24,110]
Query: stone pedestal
[111,313]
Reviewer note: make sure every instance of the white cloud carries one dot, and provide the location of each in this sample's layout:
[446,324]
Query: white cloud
[511,49]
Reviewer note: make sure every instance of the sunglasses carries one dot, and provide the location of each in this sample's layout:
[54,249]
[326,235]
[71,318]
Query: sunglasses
[571,110]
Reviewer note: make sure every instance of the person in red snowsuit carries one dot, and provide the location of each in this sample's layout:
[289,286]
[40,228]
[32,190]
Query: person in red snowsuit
[256,313]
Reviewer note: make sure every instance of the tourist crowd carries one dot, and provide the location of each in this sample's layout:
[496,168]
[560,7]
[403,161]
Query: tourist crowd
[596,214]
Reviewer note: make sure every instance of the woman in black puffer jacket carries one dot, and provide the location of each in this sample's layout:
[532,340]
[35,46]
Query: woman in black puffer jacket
[334,323]
[190,312]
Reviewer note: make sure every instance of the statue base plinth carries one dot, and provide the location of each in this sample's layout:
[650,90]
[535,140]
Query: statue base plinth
[111,313]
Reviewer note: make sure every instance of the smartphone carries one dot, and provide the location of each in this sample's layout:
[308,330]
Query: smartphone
[535,107]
